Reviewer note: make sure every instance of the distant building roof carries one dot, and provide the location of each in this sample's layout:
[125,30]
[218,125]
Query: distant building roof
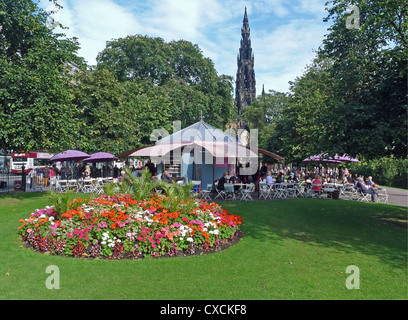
[198,132]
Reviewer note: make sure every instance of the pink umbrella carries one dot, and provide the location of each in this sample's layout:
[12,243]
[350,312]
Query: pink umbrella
[323,158]
[101,157]
[69,155]
[346,158]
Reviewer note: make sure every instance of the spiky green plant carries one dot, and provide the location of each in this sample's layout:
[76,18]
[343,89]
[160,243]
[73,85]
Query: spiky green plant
[60,201]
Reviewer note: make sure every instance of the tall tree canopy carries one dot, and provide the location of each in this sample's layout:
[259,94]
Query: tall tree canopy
[352,98]
[35,96]
[187,78]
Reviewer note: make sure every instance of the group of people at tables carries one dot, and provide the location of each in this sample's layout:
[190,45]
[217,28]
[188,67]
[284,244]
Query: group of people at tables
[265,178]
[366,186]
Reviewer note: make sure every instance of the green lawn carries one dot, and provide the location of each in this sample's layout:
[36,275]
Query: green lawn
[292,249]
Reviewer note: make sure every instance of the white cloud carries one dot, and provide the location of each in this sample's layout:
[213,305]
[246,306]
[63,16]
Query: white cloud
[94,22]
[181,19]
[283,54]
[283,33]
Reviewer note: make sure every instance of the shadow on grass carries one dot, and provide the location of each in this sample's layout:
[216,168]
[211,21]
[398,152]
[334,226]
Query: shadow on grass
[343,225]
[22,195]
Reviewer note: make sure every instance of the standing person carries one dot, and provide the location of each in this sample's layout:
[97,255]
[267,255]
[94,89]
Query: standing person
[87,171]
[264,170]
[46,175]
[31,175]
[115,171]
[152,168]
[39,177]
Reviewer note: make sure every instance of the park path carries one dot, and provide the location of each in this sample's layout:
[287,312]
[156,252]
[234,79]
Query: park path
[398,196]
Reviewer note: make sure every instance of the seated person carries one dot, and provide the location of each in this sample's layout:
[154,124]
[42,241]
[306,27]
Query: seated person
[370,183]
[279,178]
[317,181]
[269,179]
[292,178]
[222,181]
[234,179]
[363,188]
[166,177]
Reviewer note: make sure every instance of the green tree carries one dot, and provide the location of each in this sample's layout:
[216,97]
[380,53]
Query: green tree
[119,115]
[180,72]
[352,98]
[369,67]
[35,96]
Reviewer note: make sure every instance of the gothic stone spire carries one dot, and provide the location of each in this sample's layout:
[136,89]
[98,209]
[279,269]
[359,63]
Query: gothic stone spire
[245,92]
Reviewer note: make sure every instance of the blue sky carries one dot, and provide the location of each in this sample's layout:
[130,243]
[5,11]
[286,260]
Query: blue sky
[285,34]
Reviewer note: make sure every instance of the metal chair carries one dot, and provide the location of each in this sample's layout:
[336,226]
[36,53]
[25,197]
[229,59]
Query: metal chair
[61,186]
[363,196]
[220,193]
[206,193]
[279,191]
[264,192]
[317,193]
[246,193]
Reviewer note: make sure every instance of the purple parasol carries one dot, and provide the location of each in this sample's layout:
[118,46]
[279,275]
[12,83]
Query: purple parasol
[101,157]
[346,158]
[69,155]
[323,157]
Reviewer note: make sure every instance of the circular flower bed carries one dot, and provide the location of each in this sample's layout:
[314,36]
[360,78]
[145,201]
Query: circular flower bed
[120,227]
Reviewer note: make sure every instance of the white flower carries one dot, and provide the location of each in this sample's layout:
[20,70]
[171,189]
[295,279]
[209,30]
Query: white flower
[190,239]
[42,216]
[103,242]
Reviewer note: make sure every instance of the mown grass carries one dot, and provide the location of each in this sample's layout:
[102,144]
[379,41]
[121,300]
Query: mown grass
[292,249]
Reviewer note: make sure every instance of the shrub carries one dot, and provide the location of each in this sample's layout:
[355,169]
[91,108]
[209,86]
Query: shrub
[388,171]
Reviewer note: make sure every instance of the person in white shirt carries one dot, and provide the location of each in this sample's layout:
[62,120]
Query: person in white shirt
[269,180]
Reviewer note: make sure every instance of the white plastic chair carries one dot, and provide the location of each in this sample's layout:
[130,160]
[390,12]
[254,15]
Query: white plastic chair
[263,190]
[316,193]
[206,193]
[364,197]
[61,186]
[247,192]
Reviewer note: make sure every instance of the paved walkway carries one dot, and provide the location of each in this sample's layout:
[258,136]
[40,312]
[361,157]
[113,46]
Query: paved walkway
[398,196]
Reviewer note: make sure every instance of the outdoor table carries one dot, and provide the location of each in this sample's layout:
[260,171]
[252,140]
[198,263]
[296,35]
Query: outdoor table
[328,191]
